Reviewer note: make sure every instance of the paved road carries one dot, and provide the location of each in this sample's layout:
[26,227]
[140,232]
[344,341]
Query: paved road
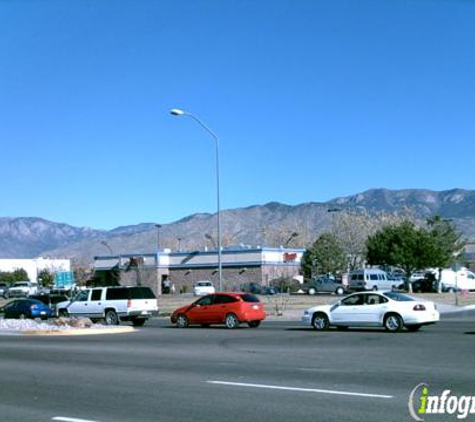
[278,372]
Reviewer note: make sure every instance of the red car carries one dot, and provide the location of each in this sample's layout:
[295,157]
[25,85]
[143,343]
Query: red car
[221,308]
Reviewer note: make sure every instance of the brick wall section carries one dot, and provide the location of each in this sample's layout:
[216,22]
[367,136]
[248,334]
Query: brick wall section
[149,277]
[183,280]
[233,278]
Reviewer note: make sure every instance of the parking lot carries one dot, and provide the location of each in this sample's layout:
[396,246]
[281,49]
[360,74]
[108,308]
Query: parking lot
[278,372]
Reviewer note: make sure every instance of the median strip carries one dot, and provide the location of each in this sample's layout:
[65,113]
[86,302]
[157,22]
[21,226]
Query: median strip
[304,390]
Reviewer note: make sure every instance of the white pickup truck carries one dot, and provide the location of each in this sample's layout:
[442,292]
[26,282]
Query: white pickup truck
[23,289]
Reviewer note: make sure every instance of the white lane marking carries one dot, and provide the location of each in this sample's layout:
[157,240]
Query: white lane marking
[305,390]
[66,419]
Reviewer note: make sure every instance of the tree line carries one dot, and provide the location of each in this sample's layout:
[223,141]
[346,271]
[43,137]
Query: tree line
[384,240]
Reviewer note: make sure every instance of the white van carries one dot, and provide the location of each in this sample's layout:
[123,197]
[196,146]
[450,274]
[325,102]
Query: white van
[371,279]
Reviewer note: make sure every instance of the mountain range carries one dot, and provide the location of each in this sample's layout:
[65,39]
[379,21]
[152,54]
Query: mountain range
[272,224]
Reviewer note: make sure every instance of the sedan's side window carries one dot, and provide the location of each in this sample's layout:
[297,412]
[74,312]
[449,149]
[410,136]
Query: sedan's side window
[372,299]
[353,300]
[206,301]
[222,299]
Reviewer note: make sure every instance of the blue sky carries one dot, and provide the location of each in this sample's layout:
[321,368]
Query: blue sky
[311,99]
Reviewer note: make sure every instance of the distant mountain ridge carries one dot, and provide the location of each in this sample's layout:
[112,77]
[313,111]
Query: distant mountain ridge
[26,237]
[455,203]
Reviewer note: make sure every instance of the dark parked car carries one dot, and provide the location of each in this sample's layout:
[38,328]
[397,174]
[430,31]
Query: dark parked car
[428,284]
[424,285]
[258,289]
[26,308]
[324,285]
[50,300]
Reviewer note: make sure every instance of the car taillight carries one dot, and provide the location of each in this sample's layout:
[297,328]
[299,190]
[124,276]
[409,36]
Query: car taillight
[129,303]
[419,307]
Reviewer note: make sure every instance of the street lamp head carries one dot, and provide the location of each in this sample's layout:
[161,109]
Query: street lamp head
[177,112]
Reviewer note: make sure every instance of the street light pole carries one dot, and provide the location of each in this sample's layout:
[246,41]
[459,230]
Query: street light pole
[158,226]
[103,242]
[178,112]
[292,236]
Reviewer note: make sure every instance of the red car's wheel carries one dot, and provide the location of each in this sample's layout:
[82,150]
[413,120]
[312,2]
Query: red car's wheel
[182,321]
[231,321]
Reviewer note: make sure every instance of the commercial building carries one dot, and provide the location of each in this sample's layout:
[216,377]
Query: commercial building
[179,270]
[34,266]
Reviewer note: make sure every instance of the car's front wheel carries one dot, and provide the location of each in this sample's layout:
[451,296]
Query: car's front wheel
[63,313]
[393,323]
[320,322]
[111,317]
[182,321]
[339,291]
[312,291]
[231,321]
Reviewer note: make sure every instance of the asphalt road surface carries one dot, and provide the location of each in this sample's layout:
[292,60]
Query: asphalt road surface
[277,372]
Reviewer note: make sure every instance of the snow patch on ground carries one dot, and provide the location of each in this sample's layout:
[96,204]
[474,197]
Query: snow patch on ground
[67,324]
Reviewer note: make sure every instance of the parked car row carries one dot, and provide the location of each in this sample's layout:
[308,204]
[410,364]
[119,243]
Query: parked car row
[18,289]
[110,304]
[391,310]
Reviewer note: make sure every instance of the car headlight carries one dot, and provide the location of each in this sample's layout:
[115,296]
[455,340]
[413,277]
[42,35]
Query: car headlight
[305,312]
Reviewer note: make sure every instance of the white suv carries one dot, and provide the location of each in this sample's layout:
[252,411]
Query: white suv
[112,304]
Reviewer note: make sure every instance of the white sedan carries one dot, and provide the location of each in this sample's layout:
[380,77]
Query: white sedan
[390,310]
[203,288]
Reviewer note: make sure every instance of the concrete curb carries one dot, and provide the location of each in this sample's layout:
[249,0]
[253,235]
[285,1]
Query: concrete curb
[79,332]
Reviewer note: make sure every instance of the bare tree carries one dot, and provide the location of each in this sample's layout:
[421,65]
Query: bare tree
[353,227]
